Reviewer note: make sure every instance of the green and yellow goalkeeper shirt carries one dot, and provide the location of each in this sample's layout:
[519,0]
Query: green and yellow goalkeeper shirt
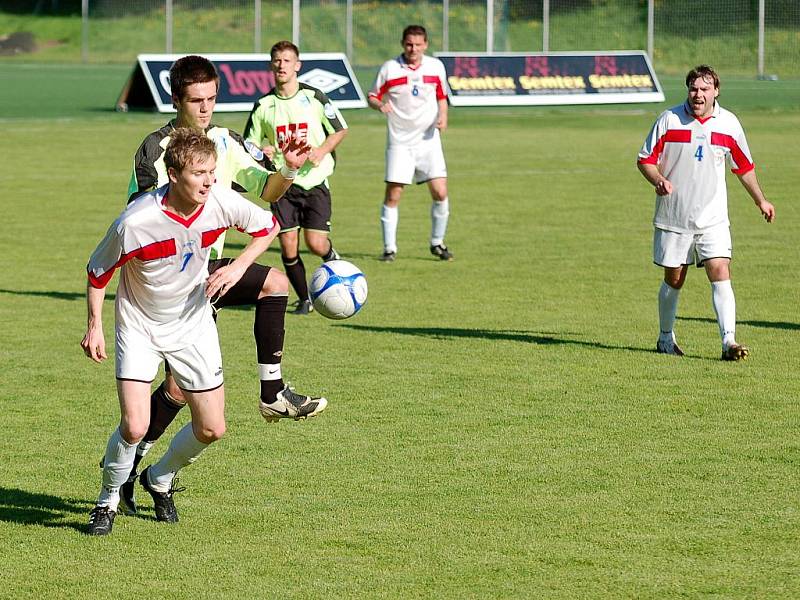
[310,115]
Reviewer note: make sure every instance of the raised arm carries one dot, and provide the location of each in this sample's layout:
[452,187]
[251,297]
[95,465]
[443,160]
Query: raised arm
[295,153]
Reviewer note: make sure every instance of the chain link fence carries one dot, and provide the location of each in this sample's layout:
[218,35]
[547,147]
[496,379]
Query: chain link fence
[746,37]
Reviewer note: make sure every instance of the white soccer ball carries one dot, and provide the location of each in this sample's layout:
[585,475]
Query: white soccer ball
[338,289]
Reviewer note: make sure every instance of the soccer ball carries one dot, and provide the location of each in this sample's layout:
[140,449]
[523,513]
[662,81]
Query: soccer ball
[338,289]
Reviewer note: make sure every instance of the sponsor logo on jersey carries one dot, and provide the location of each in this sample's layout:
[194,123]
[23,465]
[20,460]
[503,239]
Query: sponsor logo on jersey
[254,150]
[323,80]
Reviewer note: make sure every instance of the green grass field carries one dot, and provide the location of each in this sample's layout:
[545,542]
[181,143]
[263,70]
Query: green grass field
[499,427]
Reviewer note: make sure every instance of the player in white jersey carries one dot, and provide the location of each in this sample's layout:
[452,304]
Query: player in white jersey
[162,242]
[684,157]
[411,91]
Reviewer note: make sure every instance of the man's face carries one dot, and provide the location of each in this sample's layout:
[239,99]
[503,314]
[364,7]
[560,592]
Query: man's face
[285,64]
[196,107]
[193,183]
[701,97]
[414,47]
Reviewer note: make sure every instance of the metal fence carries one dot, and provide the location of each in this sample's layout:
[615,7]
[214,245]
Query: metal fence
[752,37]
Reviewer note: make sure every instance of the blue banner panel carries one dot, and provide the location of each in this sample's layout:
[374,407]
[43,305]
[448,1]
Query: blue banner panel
[243,79]
[477,79]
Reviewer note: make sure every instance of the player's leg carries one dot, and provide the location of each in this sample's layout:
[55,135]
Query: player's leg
[287,211]
[440,213]
[673,252]
[268,290]
[198,370]
[714,250]
[136,366]
[316,222]
[399,173]
[431,167]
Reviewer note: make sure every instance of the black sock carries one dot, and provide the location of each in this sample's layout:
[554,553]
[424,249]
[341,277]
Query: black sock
[296,272]
[268,331]
[331,255]
[162,412]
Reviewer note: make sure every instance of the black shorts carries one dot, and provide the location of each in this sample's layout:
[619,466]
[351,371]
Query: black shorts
[309,209]
[246,290]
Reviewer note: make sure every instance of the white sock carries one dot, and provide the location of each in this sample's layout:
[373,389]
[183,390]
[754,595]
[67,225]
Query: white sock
[389,218]
[667,309]
[183,451]
[143,448]
[724,303]
[117,466]
[440,211]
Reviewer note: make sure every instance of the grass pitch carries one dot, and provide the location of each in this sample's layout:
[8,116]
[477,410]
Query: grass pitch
[499,426]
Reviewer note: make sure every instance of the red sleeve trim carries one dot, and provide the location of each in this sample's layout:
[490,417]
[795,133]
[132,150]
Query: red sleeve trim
[389,84]
[675,136]
[743,164]
[440,95]
[153,251]
[209,237]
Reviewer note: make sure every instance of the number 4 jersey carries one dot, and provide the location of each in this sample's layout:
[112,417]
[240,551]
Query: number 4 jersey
[691,153]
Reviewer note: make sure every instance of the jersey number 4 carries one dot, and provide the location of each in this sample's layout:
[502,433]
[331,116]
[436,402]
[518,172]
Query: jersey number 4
[699,153]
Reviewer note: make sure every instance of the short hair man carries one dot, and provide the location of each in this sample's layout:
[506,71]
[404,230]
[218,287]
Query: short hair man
[162,243]
[684,158]
[291,108]
[194,81]
[411,91]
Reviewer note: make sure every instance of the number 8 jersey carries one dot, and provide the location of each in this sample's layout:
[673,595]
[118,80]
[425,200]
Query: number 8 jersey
[691,153]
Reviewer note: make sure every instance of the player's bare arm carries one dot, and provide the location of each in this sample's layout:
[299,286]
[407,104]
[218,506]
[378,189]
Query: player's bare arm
[653,175]
[330,144]
[94,342]
[441,121]
[379,105]
[224,278]
[750,183]
[295,153]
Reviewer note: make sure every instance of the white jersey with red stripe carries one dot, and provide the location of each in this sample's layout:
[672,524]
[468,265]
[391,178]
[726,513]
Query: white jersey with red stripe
[164,262]
[413,93]
[691,153]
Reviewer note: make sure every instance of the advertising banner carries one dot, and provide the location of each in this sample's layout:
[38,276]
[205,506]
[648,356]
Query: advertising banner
[477,79]
[243,79]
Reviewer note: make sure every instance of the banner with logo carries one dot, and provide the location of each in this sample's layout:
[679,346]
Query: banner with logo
[243,79]
[478,79]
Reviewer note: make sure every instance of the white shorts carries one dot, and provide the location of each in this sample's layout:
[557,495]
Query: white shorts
[415,164]
[196,368]
[671,249]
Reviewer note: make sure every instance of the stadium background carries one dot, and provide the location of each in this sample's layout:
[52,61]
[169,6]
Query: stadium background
[726,32]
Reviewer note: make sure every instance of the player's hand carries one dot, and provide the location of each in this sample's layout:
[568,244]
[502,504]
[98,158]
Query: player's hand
[441,123]
[664,187]
[94,344]
[315,156]
[386,108]
[295,152]
[767,210]
[222,280]
[269,151]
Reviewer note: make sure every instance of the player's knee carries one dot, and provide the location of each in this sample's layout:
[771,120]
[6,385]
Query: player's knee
[276,283]
[208,433]
[133,430]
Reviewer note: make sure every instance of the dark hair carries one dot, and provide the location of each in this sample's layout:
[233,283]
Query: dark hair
[186,144]
[188,70]
[703,72]
[414,30]
[284,45]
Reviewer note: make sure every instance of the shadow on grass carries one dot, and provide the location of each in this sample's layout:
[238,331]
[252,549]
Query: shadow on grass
[761,324]
[52,294]
[28,508]
[522,336]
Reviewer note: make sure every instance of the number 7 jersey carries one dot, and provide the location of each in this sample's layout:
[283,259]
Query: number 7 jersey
[691,153]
